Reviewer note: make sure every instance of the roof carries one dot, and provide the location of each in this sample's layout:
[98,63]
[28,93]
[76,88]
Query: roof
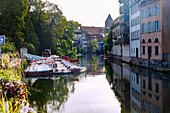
[109,18]
[94,30]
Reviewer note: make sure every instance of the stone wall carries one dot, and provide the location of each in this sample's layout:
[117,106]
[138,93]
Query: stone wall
[156,64]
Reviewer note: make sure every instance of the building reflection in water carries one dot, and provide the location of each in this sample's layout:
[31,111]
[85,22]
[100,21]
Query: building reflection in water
[140,90]
[93,63]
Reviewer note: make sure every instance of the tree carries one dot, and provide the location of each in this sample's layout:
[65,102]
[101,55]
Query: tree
[108,42]
[94,45]
[12,21]
[37,25]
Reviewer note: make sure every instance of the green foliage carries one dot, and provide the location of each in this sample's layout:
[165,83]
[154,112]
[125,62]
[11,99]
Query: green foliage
[36,25]
[30,47]
[9,46]
[67,40]
[24,65]
[94,45]
[12,21]
[108,42]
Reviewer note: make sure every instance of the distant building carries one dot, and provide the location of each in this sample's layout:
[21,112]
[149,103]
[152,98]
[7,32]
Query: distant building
[155,30]
[108,23]
[134,25]
[91,33]
[77,40]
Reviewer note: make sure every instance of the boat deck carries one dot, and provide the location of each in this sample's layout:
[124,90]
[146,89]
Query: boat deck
[61,69]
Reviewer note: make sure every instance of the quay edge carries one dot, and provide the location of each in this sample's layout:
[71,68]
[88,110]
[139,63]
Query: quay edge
[152,64]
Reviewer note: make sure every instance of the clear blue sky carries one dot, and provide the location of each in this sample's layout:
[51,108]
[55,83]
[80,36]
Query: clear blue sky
[88,12]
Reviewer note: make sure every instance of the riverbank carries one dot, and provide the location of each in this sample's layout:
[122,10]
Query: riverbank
[152,64]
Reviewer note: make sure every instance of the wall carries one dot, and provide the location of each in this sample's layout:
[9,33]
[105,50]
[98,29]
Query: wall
[125,49]
[166,26]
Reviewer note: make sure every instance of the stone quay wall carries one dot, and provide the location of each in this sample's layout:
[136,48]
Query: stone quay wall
[156,64]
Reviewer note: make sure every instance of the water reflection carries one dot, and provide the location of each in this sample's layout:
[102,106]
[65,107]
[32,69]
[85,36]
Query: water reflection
[93,63]
[50,94]
[140,90]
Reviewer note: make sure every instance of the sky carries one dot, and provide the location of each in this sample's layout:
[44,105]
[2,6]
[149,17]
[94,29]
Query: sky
[88,12]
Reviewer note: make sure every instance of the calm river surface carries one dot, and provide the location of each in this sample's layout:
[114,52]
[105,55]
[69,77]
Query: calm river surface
[106,87]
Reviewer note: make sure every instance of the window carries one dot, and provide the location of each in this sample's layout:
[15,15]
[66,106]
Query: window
[143,50]
[150,95]
[153,26]
[157,88]
[149,11]
[156,50]
[149,41]
[150,82]
[143,28]
[157,9]
[143,84]
[143,41]
[158,25]
[137,78]
[156,40]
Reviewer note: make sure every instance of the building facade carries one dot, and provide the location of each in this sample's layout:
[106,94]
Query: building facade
[155,31]
[151,30]
[134,25]
[116,49]
[124,29]
[90,33]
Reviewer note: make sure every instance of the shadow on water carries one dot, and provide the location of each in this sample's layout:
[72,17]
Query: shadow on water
[140,90]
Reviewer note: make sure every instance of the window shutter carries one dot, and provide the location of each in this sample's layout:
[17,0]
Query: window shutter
[141,28]
[158,9]
[154,10]
[153,26]
[147,27]
[159,25]
[151,8]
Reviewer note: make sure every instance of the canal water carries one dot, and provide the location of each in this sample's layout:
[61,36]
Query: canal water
[106,87]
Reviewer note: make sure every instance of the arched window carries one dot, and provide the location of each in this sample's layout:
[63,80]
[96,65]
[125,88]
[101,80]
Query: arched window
[156,40]
[143,41]
[149,41]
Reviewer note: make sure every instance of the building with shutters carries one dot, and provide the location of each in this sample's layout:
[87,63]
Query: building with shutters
[155,30]
[124,29]
[134,27]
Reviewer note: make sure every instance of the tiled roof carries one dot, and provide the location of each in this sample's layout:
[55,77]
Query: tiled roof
[94,30]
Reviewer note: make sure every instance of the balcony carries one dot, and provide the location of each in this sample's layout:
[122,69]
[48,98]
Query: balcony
[124,40]
[124,18]
[124,29]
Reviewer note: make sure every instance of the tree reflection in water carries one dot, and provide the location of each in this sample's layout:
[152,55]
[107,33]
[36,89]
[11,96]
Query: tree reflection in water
[48,94]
